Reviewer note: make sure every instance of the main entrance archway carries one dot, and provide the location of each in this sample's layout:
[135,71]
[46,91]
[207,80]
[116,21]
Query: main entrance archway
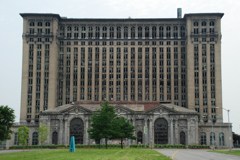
[77,130]
[161,131]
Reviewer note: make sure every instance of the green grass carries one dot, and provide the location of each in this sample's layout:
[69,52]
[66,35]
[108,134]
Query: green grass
[232,152]
[85,154]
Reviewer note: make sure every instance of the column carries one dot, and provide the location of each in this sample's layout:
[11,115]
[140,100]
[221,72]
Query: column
[158,79]
[107,74]
[86,132]
[86,75]
[61,132]
[136,73]
[93,74]
[134,132]
[176,140]
[114,73]
[151,143]
[66,132]
[49,130]
[150,74]
[100,74]
[129,73]
[122,65]
[145,132]
[171,131]
[143,74]
[79,75]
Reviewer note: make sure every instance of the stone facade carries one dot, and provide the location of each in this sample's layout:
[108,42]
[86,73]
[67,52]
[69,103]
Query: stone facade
[182,125]
[133,64]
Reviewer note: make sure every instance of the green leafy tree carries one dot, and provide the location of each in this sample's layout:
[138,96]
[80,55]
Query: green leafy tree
[43,133]
[6,121]
[101,123]
[122,129]
[23,134]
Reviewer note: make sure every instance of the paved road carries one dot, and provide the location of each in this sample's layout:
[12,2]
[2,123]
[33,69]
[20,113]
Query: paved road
[187,154]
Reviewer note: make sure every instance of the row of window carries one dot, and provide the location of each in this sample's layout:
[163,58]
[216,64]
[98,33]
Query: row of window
[123,32]
[203,139]
[39,24]
[119,43]
[203,23]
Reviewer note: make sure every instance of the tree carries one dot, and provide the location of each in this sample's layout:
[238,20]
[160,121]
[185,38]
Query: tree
[43,133]
[101,123]
[6,121]
[122,128]
[23,134]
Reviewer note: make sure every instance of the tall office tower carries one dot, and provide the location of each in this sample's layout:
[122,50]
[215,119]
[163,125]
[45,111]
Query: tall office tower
[174,60]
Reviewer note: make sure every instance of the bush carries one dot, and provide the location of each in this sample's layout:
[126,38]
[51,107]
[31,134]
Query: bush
[169,146]
[196,146]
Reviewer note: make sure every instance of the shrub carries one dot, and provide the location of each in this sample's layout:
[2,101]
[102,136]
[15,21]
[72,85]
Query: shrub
[196,146]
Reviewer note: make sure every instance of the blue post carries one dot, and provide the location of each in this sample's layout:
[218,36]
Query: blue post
[72,144]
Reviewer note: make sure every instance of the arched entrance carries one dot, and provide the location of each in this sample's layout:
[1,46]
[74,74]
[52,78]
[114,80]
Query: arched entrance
[77,130]
[139,137]
[182,138]
[55,137]
[161,131]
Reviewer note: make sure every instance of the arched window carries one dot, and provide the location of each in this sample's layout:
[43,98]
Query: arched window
[182,31]
[132,32]
[104,32]
[76,28]
[118,32]
[35,138]
[168,35]
[47,24]
[182,138]
[211,29]
[204,23]
[125,34]
[139,137]
[212,138]
[111,32]
[203,138]
[221,139]
[32,24]
[97,33]
[154,32]
[77,130]
[161,131]
[204,29]
[212,23]
[161,32]
[90,32]
[69,28]
[195,24]
[139,32]
[39,24]
[55,137]
[146,32]
[16,138]
[175,32]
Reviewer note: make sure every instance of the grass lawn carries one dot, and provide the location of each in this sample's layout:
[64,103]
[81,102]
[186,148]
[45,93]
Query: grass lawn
[85,154]
[232,152]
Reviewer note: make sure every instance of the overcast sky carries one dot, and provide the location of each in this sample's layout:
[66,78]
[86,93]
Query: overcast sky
[11,37]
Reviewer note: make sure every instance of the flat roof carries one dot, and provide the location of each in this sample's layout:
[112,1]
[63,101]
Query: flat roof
[65,19]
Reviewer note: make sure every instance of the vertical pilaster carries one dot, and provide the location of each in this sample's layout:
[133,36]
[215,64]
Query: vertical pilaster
[171,131]
[61,132]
